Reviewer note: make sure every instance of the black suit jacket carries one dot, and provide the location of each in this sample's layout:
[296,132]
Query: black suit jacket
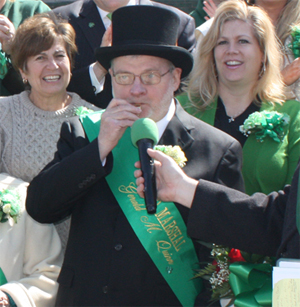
[261,224]
[83,15]
[105,264]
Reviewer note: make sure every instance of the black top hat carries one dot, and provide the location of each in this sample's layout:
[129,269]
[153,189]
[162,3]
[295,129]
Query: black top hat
[145,30]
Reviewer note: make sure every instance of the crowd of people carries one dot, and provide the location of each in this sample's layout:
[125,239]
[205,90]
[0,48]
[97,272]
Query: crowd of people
[74,230]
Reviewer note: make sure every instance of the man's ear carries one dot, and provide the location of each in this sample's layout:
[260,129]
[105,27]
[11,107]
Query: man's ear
[176,77]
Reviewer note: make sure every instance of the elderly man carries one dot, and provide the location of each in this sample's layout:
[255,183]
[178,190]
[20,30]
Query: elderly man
[117,254]
[90,19]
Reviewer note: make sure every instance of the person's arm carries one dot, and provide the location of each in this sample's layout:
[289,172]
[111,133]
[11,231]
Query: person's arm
[42,259]
[220,214]
[172,183]
[76,167]
[77,164]
[228,217]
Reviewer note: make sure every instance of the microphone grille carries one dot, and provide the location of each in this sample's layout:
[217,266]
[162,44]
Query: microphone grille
[144,128]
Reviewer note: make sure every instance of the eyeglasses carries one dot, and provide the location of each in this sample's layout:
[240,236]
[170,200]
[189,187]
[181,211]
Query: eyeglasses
[147,78]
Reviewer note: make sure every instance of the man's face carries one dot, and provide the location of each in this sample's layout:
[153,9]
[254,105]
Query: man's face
[154,100]
[110,5]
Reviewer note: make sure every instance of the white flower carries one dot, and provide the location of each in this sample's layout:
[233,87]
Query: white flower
[6,208]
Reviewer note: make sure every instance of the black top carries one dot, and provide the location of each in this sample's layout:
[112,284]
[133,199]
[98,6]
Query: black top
[231,126]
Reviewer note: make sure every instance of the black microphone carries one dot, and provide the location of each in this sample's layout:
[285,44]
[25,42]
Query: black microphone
[144,135]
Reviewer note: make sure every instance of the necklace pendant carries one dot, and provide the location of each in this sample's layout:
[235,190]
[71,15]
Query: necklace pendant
[231,119]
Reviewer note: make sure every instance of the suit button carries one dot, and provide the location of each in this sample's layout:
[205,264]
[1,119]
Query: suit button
[118,247]
[105,289]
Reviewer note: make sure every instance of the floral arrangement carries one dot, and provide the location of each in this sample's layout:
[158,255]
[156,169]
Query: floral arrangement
[266,123]
[174,152]
[295,44]
[9,205]
[219,272]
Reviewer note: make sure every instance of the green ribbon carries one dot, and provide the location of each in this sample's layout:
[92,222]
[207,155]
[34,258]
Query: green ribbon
[251,284]
[164,234]
[3,279]
[3,65]
[295,44]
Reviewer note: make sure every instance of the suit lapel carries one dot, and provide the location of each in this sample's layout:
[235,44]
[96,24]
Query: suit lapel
[91,23]
[178,130]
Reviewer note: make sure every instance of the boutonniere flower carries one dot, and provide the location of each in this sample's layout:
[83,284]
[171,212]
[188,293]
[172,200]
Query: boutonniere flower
[83,110]
[295,44]
[266,123]
[9,205]
[221,275]
[174,152]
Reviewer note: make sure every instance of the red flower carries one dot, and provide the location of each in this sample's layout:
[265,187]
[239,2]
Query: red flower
[235,255]
[216,264]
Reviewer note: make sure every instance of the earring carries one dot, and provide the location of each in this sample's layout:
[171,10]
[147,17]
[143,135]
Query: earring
[262,70]
[25,81]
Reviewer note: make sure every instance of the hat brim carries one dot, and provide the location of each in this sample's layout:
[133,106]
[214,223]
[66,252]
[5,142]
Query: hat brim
[179,56]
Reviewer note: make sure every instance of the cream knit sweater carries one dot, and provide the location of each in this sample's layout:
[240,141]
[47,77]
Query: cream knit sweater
[28,137]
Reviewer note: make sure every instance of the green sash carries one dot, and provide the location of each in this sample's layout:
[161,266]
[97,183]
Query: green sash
[2,278]
[164,234]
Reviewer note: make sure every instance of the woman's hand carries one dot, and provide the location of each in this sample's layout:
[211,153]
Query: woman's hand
[4,301]
[291,73]
[171,182]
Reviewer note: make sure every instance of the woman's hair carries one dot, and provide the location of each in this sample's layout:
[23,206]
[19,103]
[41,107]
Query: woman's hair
[203,81]
[289,16]
[37,34]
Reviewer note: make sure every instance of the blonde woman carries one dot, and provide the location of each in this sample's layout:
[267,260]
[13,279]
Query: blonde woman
[284,15]
[237,73]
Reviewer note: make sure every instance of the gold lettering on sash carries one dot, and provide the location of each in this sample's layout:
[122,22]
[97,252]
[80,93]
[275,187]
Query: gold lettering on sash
[169,225]
[131,190]
[150,226]
[162,247]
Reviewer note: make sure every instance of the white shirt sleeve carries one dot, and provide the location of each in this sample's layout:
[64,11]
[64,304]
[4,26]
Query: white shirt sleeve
[98,85]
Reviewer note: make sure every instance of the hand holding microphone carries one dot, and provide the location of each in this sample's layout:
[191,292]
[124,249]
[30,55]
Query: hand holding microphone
[144,135]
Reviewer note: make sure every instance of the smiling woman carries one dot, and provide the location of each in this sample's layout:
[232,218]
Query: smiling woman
[43,52]
[237,73]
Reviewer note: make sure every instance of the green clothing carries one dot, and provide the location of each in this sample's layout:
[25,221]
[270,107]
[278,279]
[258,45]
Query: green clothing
[267,166]
[198,13]
[17,11]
